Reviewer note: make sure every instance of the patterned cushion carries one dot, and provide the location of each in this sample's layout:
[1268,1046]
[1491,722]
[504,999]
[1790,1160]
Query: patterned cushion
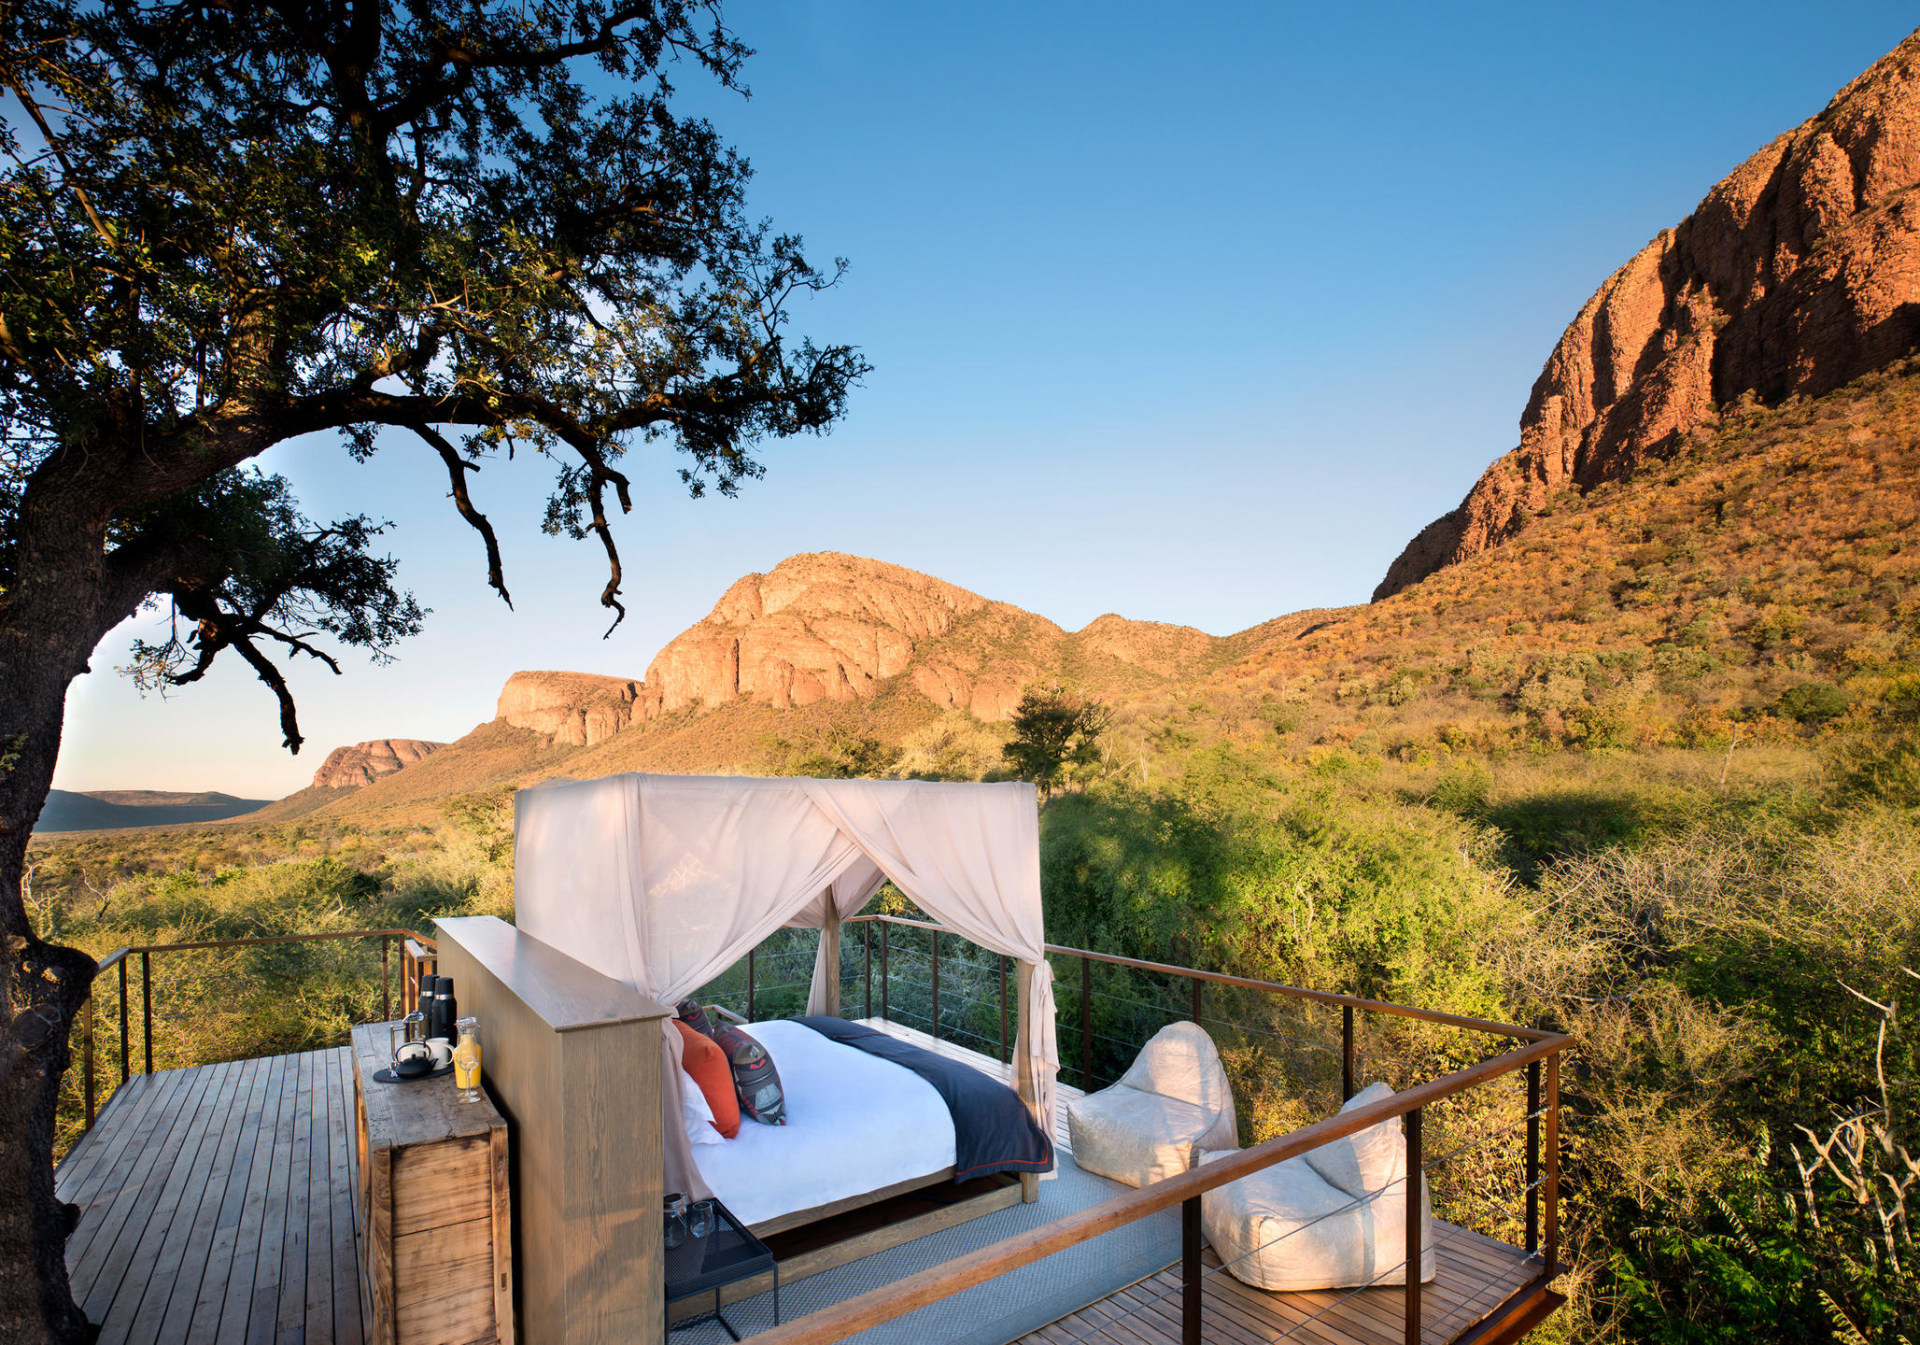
[694,1017]
[754,1077]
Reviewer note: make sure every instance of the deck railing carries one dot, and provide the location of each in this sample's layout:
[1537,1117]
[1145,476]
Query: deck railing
[1536,1052]
[416,953]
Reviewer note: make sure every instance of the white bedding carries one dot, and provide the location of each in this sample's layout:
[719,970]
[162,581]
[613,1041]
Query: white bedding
[855,1123]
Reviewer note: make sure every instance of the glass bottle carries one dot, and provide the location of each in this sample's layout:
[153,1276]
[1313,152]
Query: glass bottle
[466,1061]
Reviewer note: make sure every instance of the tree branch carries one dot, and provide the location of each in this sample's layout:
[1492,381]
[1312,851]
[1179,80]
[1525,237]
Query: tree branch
[457,469]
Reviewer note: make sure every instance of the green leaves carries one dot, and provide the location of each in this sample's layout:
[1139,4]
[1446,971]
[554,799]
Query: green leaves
[222,228]
[1054,730]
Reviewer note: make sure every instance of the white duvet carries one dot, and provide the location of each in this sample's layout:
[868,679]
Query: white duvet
[855,1123]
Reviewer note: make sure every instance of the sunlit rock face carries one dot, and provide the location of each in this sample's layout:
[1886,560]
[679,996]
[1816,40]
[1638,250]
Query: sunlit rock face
[1798,273]
[575,709]
[820,626]
[363,763]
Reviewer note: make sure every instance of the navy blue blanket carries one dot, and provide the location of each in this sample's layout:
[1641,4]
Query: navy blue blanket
[992,1129]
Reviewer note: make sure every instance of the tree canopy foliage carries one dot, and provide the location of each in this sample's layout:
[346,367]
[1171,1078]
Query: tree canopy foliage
[228,225]
[481,224]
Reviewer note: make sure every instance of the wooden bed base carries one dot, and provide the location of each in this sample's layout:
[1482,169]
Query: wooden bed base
[799,1218]
[817,1260]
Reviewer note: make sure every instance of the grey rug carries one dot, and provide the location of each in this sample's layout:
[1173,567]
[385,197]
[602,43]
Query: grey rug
[994,1313]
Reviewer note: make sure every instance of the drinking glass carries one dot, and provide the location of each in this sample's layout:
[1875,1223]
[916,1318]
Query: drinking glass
[675,1205]
[700,1218]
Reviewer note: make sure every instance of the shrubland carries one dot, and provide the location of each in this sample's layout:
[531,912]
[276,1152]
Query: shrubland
[1649,774]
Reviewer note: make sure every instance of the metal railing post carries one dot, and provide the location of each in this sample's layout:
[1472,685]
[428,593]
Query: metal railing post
[126,1020]
[866,963]
[1086,1021]
[1001,960]
[146,1004]
[934,938]
[1533,1157]
[386,997]
[1346,1052]
[885,938]
[1190,1279]
[1553,1164]
[1197,983]
[1416,1159]
[86,1059]
[751,1015]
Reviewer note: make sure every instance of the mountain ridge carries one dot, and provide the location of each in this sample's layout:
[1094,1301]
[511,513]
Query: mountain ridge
[1796,274]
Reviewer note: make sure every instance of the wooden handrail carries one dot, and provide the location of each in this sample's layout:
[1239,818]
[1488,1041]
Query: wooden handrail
[1247,983]
[411,941]
[876,1306]
[119,953]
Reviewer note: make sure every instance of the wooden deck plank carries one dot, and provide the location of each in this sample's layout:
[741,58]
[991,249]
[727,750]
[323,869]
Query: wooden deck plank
[248,1230]
[78,1171]
[154,1185]
[319,1298]
[347,1326]
[155,1106]
[195,1226]
[150,1263]
[224,1250]
[290,1322]
[263,1312]
[169,1107]
[1466,1288]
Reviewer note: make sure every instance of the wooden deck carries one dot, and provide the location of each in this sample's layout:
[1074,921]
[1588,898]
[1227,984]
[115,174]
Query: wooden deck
[1475,1275]
[217,1208]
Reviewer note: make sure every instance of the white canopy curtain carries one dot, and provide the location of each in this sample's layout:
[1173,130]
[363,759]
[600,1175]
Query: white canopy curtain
[665,881]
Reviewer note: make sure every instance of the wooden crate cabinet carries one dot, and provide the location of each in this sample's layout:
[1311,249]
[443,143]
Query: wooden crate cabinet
[436,1244]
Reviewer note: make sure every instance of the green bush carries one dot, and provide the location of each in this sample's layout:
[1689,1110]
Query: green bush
[1812,703]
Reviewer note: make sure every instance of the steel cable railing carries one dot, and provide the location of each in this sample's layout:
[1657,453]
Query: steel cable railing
[921,982]
[416,951]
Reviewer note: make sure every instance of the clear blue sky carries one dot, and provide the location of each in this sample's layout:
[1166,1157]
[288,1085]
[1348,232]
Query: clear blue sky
[1194,314]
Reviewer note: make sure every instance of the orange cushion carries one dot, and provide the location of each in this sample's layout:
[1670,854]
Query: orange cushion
[707,1066]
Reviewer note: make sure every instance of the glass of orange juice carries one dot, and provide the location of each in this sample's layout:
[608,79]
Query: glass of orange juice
[466,1060]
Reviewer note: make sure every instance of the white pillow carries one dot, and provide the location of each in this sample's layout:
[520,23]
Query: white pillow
[695,1114]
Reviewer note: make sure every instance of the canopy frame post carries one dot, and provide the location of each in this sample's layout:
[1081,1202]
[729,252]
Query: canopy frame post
[830,955]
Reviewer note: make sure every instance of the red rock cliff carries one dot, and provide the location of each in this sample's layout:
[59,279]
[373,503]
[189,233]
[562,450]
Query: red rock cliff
[363,763]
[820,626]
[1798,273]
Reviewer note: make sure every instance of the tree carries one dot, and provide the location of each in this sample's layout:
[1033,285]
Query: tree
[1054,729]
[226,223]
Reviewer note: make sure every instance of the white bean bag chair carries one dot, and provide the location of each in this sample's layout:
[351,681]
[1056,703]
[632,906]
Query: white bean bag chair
[1332,1218]
[1172,1104]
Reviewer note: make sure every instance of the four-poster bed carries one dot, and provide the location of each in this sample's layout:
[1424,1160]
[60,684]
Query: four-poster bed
[663,882]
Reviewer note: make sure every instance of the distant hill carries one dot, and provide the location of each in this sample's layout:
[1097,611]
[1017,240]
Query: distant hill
[108,809]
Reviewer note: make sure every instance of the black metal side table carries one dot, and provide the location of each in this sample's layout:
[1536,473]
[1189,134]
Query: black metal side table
[706,1265]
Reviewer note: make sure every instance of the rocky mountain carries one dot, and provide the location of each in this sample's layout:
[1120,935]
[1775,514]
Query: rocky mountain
[1798,273]
[821,647]
[826,627]
[572,709]
[361,764]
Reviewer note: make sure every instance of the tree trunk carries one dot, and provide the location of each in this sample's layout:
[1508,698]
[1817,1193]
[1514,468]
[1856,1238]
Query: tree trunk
[49,625]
